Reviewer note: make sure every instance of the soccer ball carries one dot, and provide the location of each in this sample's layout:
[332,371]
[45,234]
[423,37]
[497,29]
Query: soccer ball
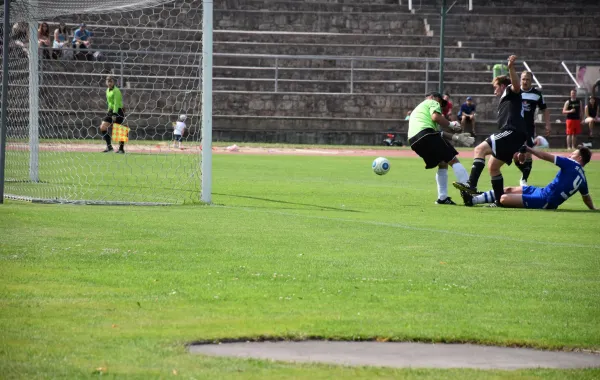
[381,166]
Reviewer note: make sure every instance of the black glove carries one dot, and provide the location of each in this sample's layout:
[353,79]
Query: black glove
[523,149]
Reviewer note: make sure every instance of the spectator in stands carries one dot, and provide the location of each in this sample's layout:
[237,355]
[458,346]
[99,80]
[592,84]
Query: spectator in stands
[466,114]
[82,41]
[60,40]
[595,89]
[43,35]
[447,111]
[592,114]
[408,115]
[20,36]
[574,112]
[541,142]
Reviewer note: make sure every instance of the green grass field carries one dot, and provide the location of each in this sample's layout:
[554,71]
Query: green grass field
[294,247]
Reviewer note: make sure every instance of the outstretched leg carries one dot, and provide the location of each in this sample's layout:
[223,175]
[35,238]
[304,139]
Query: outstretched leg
[512,200]
[459,170]
[441,177]
[479,154]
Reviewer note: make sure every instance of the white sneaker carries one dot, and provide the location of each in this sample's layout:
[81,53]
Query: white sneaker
[523,182]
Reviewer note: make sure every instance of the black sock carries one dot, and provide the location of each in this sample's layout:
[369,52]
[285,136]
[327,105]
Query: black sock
[476,169]
[498,186]
[106,138]
[527,169]
[121,145]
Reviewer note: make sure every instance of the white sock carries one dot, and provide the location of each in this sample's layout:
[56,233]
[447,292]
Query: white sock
[441,177]
[487,197]
[460,172]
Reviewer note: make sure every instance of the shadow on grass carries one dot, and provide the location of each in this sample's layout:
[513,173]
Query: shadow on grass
[287,203]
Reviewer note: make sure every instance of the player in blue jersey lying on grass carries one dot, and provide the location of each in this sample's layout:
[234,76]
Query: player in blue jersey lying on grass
[569,180]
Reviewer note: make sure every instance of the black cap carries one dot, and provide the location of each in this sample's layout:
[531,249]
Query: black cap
[436,94]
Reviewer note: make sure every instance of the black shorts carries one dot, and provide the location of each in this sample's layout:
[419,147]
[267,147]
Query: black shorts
[177,137]
[432,148]
[120,116]
[505,144]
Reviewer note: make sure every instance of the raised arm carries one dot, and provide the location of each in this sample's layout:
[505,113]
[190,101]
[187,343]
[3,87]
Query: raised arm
[512,72]
[541,154]
[588,202]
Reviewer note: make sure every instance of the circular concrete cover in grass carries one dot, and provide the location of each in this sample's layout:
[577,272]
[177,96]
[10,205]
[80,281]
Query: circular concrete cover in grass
[401,355]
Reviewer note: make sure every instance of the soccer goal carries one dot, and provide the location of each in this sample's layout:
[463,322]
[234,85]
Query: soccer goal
[158,53]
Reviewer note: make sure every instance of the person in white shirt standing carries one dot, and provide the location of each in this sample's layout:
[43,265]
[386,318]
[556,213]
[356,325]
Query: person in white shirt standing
[178,129]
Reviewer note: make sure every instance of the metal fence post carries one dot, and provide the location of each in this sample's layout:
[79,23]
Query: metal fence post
[276,72]
[3,118]
[426,75]
[122,64]
[352,76]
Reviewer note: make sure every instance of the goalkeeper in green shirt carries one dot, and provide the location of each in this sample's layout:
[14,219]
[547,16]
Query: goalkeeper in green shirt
[115,114]
[427,138]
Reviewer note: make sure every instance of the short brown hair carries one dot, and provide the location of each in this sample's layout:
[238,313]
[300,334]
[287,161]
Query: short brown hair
[529,74]
[501,80]
[585,153]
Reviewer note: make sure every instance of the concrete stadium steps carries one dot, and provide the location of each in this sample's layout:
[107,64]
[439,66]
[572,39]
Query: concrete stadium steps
[457,9]
[534,54]
[186,14]
[384,106]
[321,6]
[344,74]
[343,86]
[324,38]
[70,67]
[586,43]
[563,26]
[396,23]
[224,60]
[337,50]
[146,82]
[540,5]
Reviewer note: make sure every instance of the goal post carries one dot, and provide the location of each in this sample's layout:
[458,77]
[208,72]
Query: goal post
[159,54]
[207,74]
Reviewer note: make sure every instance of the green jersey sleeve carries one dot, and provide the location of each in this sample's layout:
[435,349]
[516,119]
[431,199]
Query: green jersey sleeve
[434,107]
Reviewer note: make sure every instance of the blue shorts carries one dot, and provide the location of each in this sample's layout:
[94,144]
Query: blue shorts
[176,137]
[534,197]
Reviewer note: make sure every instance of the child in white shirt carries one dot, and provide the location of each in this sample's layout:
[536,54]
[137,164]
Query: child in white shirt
[178,129]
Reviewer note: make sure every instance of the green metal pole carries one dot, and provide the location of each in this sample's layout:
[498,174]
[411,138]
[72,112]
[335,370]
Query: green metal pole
[442,28]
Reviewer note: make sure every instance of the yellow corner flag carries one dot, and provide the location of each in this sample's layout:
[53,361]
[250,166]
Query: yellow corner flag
[120,133]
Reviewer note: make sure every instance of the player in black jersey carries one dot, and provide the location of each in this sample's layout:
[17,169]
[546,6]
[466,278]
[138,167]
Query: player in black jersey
[532,99]
[504,144]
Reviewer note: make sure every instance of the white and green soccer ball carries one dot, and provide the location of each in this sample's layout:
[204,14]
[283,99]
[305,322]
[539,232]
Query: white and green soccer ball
[381,165]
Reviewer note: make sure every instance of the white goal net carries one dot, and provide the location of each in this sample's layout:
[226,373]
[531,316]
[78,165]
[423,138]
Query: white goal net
[59,122]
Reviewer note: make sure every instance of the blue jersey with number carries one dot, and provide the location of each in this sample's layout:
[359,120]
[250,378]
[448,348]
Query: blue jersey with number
[569,180]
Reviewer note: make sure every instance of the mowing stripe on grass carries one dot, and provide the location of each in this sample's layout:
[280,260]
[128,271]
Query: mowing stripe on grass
[413,228]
